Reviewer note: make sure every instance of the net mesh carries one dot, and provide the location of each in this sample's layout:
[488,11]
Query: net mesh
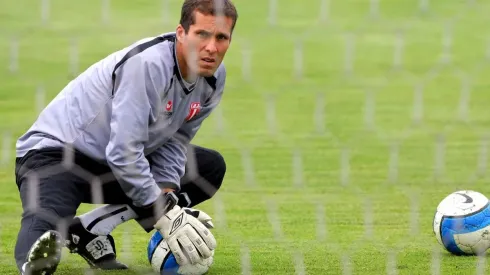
[343,125]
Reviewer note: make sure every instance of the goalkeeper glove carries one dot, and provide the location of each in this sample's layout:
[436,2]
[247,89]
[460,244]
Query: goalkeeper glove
[201,216]
[187,236]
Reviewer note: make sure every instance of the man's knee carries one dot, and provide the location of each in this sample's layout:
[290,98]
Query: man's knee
[212,166]
[220,167]
[40,220]
[203,184]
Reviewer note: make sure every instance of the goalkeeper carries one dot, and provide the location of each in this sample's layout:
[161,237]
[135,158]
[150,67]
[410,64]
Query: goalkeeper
[127,121]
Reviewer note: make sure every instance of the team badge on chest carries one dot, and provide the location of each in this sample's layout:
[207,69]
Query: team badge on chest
[194,110]
[168,107]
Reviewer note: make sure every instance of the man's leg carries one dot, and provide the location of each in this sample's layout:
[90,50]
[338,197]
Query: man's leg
[205,172]
[49,198]
[204,175]
[102,220]
[98,250]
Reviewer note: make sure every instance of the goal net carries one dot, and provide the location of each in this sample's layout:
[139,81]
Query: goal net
[343,125]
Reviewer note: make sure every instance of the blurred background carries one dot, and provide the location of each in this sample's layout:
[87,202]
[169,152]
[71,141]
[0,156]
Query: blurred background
[344,123]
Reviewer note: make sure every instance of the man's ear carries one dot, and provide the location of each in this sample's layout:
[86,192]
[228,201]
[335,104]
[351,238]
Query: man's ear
[180,33]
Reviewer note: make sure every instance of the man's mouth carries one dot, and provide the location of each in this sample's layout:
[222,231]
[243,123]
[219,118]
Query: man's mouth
[208,60]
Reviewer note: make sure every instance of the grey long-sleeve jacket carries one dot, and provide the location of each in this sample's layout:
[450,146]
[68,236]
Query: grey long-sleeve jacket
[128,108]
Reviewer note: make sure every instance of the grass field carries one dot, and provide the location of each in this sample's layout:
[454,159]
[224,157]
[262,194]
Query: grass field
[343,126]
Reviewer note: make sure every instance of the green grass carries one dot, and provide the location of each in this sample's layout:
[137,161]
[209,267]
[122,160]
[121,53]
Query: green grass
[401,210]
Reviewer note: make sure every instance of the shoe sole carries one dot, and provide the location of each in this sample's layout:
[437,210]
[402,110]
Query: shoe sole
[45,254]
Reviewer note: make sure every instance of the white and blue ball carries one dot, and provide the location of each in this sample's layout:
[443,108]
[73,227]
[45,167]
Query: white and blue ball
[163,261]
[462,223]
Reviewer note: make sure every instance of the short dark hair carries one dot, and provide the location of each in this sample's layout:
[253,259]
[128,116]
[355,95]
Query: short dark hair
[206,7]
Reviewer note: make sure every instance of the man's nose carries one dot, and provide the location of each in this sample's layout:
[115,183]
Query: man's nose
[211,46]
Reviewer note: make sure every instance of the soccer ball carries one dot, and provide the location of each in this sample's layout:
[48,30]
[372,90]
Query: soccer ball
[163,261]
[462,223]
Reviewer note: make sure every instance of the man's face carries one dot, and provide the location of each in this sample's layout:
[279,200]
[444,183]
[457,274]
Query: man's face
[206,43]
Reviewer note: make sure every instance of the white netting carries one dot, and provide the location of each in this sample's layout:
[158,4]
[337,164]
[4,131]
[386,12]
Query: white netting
[343,125]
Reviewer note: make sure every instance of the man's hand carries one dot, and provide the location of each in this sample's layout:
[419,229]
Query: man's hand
[201,216]
[188,238]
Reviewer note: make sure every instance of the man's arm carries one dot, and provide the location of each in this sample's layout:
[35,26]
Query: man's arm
[134,94]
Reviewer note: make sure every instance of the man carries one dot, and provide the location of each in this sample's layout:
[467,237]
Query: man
[120,134]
